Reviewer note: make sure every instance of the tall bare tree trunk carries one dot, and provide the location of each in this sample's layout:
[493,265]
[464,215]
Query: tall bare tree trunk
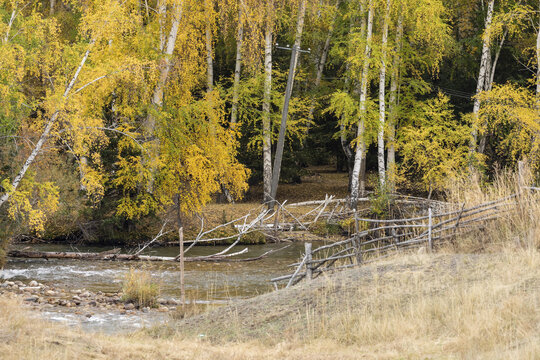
[266,122]
[209,58]
[288,91]
[538,65]
[486,44]
[489,83]
[168,46]
[238,66]
[44,135]
[393,107]
[382,95]
[322,62]
[52,7]
[357,187]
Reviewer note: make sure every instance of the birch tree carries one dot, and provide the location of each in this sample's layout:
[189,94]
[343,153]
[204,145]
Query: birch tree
[394,103]
[357,184]
[382,94]
[238,63]
[482,72]
[266,120]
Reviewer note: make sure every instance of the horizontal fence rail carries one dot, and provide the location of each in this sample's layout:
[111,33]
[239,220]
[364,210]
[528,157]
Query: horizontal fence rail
[375,239]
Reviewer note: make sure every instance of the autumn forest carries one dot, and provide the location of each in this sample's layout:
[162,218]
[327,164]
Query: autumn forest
[116,111]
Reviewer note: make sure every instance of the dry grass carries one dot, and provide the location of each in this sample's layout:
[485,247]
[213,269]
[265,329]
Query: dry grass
[410,307]
[462,303]
[519,225]
[139,288]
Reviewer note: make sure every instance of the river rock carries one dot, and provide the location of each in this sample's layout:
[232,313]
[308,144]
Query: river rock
[86,294]
[161,301]
[163,309]
[76,298]
[129,306]
[33,283]
[92,303]
[145,309]
[50,293]
[19,283]
[173,302]
[32,298]
[78,291]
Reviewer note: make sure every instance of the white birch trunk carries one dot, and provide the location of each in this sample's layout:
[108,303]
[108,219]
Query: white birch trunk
[359,157]
[489,84]
[167,49]
[44,135]
[237,67]
[52,7]
[538,66]
[209,58]
[393,106]
[382,95]
[482,72]
[266,122]
[322,62]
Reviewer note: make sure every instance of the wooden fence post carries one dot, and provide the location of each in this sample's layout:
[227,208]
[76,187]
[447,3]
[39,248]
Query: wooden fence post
[430,225]
[358,250]
[309,270]
[355,222]
[276,221]
[521,174]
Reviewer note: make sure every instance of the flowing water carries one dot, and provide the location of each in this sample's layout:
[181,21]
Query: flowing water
[205,282]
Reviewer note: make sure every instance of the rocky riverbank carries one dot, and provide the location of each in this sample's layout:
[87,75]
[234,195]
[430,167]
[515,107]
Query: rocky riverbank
[78,301]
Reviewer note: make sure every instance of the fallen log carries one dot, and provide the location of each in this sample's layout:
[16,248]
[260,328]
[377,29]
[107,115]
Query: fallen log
[104,256]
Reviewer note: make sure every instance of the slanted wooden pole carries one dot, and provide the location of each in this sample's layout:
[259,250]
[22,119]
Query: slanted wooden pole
[309,270]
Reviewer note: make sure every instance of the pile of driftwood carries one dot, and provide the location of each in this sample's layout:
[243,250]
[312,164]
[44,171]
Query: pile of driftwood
[244,225]
[270,220]
[374,239]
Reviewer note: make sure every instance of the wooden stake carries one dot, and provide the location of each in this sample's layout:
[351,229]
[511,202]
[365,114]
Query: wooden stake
[430,225]
[355,222]
[309,270]
[182,287]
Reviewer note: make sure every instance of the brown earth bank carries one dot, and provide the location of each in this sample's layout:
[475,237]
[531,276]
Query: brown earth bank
[482,306]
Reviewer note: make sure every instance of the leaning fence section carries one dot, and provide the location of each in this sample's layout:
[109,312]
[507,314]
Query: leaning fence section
[374,238]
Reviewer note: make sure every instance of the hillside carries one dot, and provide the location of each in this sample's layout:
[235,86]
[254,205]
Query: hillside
[483,306]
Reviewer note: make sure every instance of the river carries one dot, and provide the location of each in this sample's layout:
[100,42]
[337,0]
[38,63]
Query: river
[205,282]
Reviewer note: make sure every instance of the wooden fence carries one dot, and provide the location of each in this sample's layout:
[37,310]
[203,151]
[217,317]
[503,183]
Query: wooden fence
[374,239]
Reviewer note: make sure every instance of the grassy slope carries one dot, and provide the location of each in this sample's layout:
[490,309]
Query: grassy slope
[415,306]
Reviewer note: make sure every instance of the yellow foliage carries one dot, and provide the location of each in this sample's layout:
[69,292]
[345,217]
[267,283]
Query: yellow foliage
[32,202]
[435,146]
[509,112]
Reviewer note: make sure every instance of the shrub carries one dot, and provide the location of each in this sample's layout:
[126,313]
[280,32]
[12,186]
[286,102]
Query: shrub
[139,288]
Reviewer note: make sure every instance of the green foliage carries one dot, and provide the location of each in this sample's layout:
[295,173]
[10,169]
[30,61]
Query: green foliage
[380,201]
[325,229]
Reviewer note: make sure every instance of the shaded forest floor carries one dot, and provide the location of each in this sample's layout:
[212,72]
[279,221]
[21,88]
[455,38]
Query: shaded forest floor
[482,306]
